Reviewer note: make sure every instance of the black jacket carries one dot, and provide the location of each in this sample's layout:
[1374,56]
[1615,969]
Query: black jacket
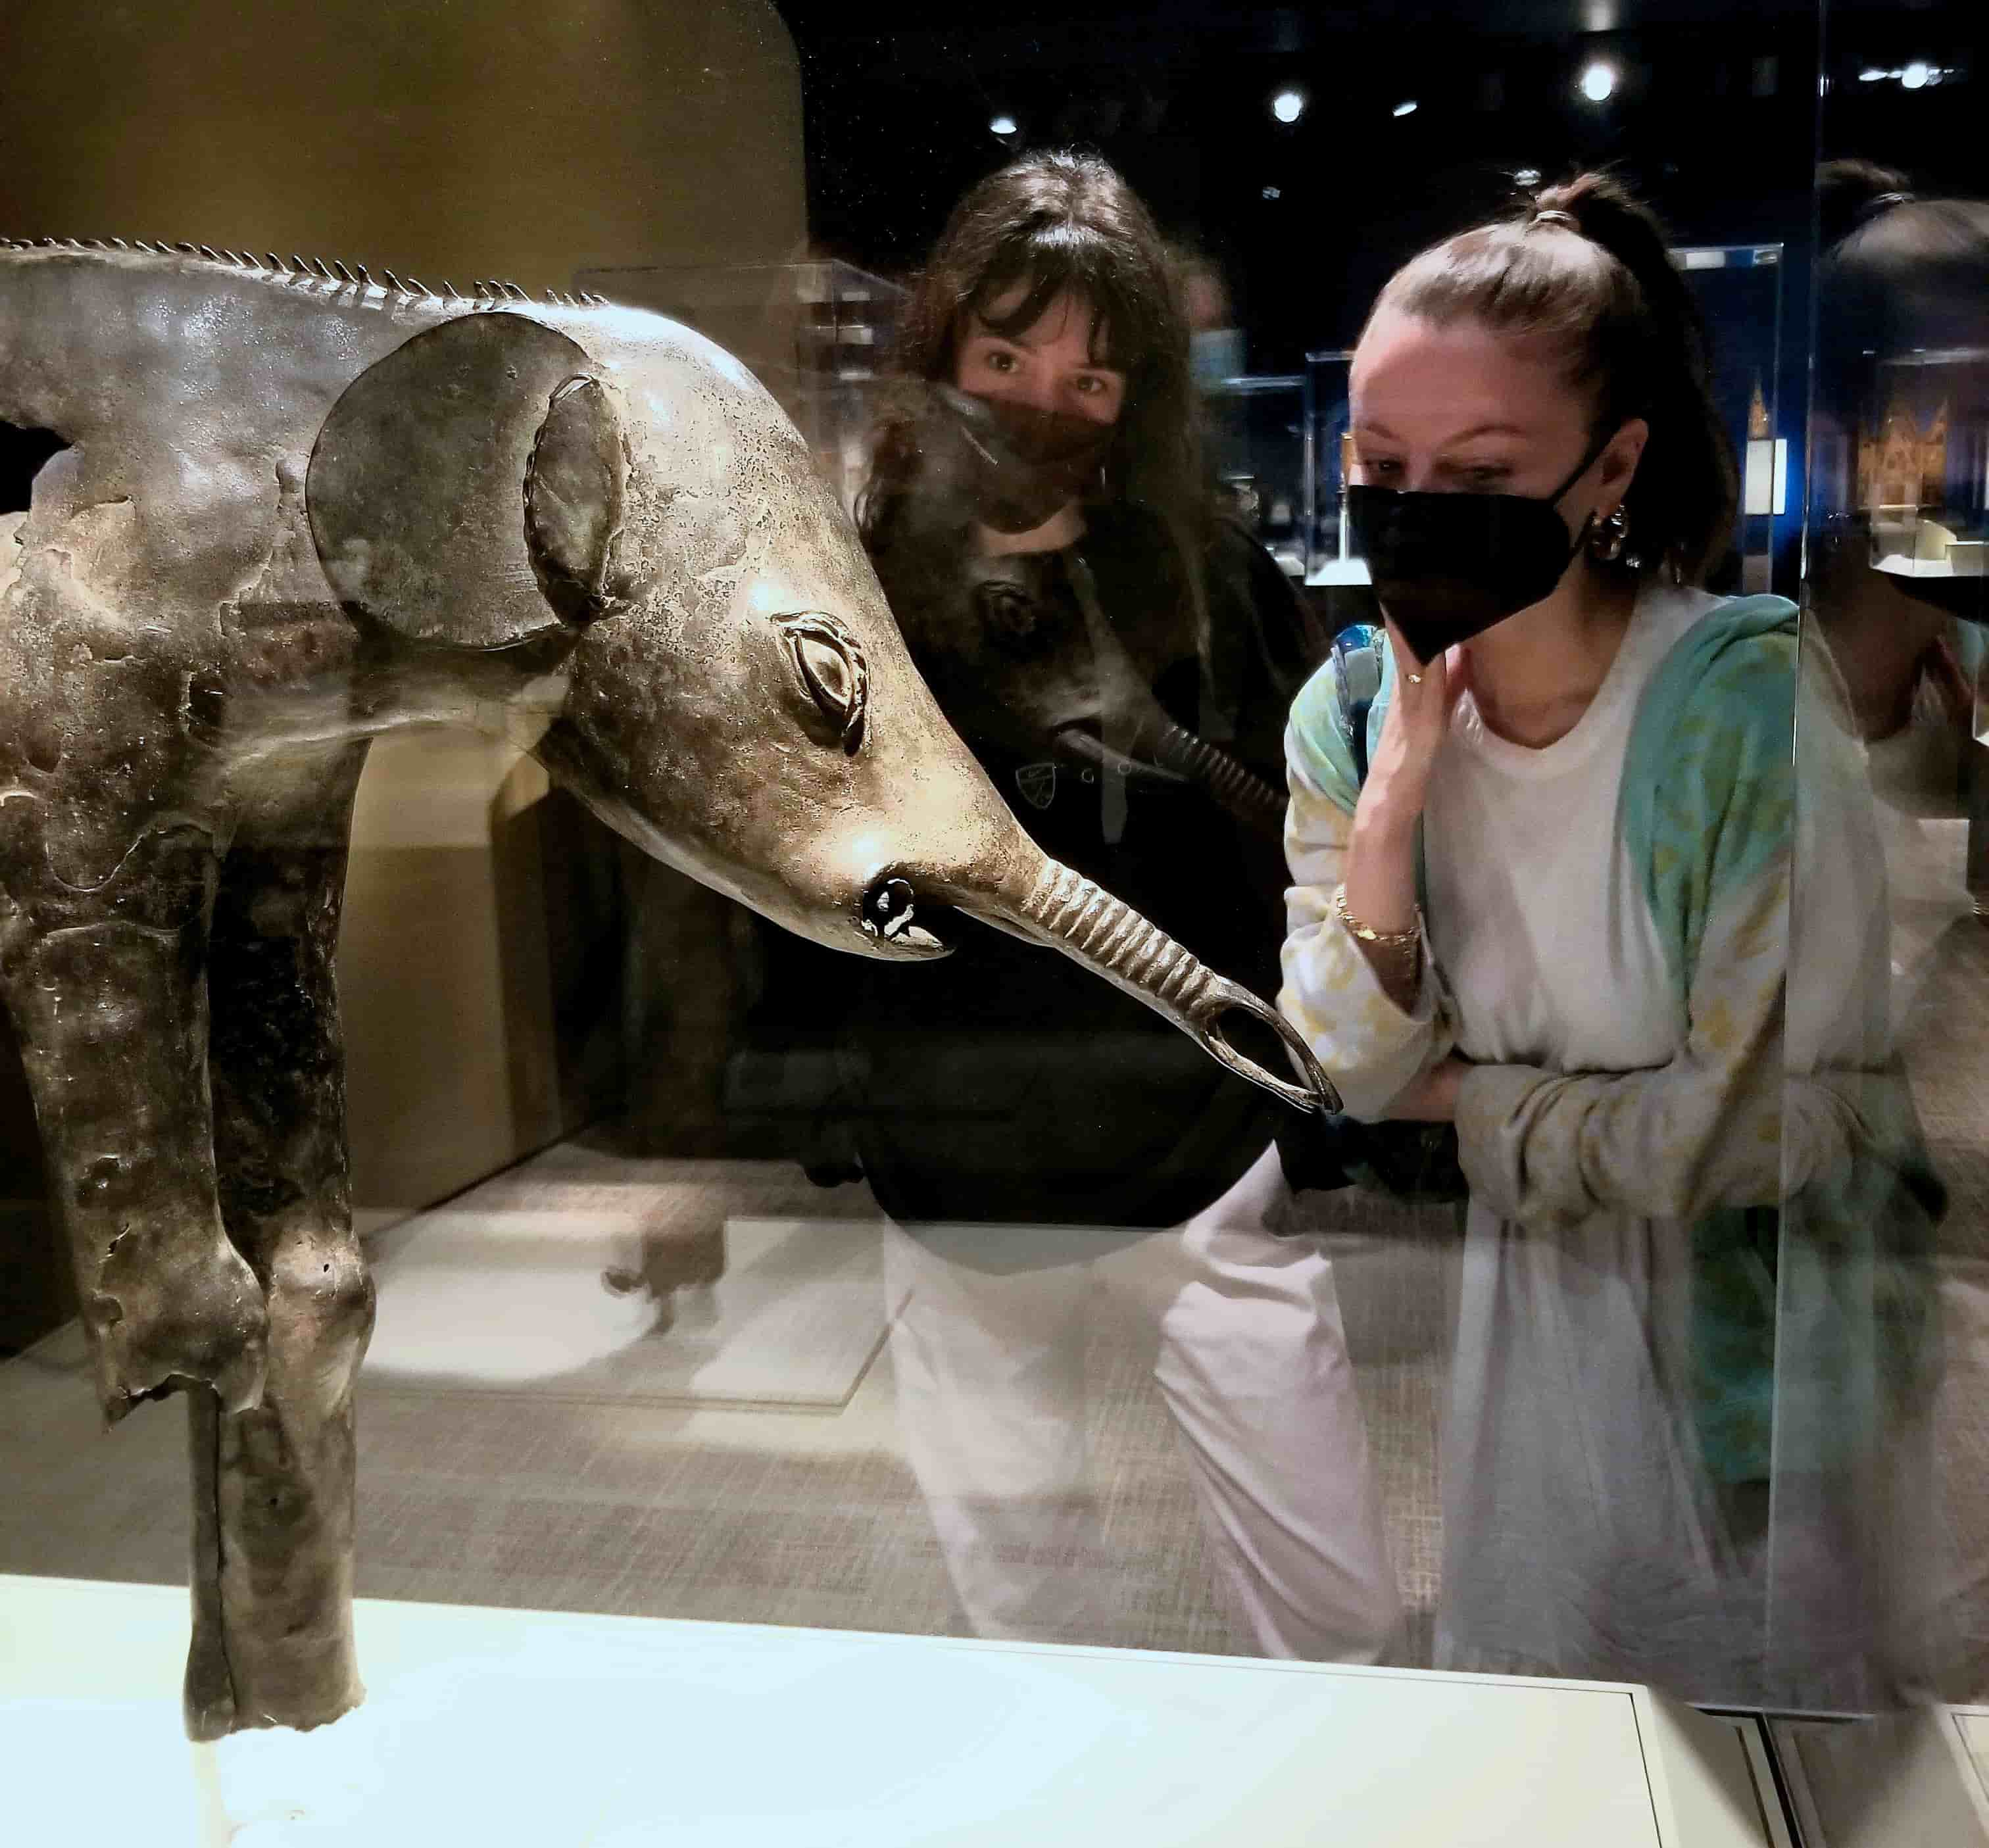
[1008,1084]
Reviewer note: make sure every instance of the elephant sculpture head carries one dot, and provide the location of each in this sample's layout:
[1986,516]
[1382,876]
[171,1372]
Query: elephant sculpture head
[634,526]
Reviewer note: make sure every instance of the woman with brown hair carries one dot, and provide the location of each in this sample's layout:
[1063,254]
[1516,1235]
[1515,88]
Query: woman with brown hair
[1556,914]
[1121,663]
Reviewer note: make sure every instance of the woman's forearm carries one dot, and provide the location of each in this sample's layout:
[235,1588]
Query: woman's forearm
[1381,864]
[1380,877]
[1381,888]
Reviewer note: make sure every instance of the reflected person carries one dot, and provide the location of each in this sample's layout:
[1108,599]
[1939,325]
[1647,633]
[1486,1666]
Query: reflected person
[1898,588]
[1555,913]
[1897,574]
[1121,662]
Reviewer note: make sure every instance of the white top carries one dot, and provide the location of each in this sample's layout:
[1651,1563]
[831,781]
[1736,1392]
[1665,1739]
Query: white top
[1549,964]
[1620,1119]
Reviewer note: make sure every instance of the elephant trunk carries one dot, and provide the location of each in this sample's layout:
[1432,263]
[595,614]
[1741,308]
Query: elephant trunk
[1242,792]
[1051,904]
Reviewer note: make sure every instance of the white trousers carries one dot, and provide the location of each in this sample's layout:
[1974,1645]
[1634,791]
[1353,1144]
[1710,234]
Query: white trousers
[1252,1363]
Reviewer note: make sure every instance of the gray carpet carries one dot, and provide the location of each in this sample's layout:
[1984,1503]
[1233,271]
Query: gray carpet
[654,1508]
[648,1507]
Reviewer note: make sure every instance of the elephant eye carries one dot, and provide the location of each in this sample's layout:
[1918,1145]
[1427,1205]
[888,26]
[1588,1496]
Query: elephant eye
[1009,613]
[829,664]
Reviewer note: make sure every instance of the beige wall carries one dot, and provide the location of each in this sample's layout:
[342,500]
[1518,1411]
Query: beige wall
[452,1068]
[464,139]
[457,138]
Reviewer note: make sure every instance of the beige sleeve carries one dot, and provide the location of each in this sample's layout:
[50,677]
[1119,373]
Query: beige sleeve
[1703,1130]
[1785,1069]
[1372,1049]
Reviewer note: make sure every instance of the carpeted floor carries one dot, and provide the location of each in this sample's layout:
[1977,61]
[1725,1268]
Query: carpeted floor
[518,1496]
[520,1492]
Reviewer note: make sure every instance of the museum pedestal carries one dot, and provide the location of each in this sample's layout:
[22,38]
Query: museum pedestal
[489,1727]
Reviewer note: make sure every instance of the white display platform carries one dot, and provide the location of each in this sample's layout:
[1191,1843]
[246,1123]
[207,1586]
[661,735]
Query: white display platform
[495,1726]
[1971,1725]
[1918,1780]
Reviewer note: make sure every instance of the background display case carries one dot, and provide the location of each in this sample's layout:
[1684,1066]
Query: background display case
[1919,472]
[1739,288]
[1257,439]
[1329,454]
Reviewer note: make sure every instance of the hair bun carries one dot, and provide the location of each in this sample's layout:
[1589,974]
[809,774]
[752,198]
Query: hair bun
[1851,194]
[1629,328]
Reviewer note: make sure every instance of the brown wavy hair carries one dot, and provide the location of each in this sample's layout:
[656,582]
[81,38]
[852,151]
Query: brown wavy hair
[1048,222]
[1606,289]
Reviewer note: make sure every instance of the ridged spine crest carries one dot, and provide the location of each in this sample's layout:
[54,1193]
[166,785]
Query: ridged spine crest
[493,293]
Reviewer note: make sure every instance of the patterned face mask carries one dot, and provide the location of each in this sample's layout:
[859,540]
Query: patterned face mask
[1447,567]
[1015,465]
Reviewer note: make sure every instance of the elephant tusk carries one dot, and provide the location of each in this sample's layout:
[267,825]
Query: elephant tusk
[1061,908]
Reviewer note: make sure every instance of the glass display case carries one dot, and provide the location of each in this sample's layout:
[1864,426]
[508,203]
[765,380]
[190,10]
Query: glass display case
[1738,290]
[1922,476]
[1329,455]
[817,334]
[714,1024]
[1257,446]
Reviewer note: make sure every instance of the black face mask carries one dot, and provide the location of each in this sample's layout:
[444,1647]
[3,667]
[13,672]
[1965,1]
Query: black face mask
[1447,567]
[1014,465]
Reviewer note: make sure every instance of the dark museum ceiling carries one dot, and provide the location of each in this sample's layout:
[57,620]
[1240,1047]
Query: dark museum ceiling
[1718,126]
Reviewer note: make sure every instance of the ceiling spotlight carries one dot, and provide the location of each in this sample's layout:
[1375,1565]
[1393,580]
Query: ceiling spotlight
[1872,74]
[1599,82]
[1287,105]
[1527,176]
[1002,125]
[1273,192]
[1405,109]
[1914,75]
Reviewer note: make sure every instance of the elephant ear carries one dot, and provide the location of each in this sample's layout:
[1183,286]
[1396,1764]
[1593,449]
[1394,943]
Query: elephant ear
[466,490]
[574,488]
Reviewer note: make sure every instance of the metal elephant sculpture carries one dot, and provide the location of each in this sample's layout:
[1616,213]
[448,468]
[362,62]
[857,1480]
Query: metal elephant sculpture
[277,509]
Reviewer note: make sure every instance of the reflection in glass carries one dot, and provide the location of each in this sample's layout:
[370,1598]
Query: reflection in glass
[1898,484]
[1119,651]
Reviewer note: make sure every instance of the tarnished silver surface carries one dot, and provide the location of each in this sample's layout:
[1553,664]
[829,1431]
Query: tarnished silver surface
[295,508]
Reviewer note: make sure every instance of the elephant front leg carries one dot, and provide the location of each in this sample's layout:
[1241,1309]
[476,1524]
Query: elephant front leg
[273,1485]
[112,1021]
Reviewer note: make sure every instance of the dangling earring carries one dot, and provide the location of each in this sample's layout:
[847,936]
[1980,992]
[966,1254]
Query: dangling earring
[1610,536]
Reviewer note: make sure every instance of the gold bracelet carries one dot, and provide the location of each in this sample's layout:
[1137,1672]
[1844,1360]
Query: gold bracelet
[1396,940]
